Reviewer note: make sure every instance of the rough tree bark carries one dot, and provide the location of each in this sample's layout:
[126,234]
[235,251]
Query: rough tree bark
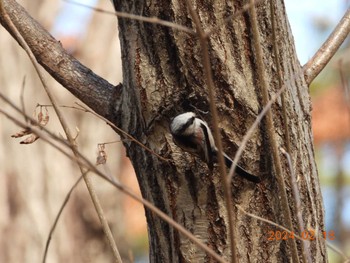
[163,76]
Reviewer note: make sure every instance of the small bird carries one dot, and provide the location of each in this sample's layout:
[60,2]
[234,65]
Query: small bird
[193,135]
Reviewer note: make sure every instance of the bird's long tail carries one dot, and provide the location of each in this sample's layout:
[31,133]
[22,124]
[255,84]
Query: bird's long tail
[240,171]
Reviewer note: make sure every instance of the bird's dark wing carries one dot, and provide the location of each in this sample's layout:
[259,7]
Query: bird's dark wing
[207,150]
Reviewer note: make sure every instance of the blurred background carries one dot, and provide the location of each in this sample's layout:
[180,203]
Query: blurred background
[35,179]
[312,21]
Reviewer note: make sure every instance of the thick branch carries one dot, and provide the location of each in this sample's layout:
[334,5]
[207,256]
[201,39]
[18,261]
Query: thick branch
[91,89]
[315,65]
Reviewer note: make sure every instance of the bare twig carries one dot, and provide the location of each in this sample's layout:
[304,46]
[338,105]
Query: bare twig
[305,251]
[344,85]
[251,131]
[112,142]
[84,84]
[22,95]
[63,106]
[337,250]
[345,257]
[268,221]
[127,135]
[296,195]
[279,76]
[71,140]
[210,84]
[317,63]
[270,129]
[152,20]
[47,136]
[59,215]
[227,19]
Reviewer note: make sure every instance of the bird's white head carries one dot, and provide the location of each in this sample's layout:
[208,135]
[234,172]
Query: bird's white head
[183,124]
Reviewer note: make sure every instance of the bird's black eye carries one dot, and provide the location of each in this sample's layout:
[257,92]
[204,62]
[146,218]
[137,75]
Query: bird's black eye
[187,124]
[190,121]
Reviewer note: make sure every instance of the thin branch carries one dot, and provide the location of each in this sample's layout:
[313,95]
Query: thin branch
[84,84]
[64,106]
[296,195]
[270,130]
[112,142]
[227,19]
[48,136]
[152,20]
[210,84]
[305,251]
[279,76]
[344,85]
[127,135]
[317,63]
[268,221]
[337,250]
[251,131]
[59,215]
[70,138]
[22,93]
[345,257]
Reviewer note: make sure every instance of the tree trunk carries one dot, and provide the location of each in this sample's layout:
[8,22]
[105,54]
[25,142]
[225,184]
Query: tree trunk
[163,76]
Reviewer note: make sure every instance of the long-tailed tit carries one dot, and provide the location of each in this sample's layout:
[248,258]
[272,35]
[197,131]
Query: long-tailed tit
[194,136]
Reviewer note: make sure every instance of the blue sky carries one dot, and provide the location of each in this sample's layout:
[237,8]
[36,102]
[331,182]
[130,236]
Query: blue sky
[72,18]
[304,15]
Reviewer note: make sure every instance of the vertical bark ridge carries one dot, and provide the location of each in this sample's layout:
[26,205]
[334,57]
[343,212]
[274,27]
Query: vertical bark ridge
[163,77]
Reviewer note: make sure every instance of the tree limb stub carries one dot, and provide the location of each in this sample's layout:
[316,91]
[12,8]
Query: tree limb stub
[315,65]
[90,88]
